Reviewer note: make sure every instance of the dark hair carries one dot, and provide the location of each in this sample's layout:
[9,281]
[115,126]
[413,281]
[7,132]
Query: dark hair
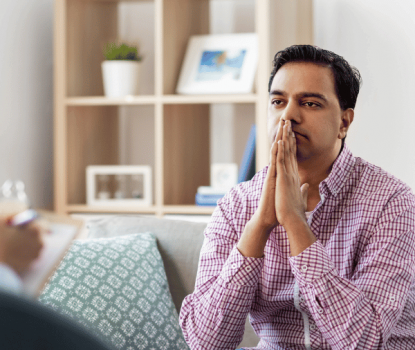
[347,79]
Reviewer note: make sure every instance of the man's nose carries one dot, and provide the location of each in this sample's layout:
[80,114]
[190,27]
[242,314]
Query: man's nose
[292,112]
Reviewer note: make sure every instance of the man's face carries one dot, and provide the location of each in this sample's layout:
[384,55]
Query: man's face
[304,93]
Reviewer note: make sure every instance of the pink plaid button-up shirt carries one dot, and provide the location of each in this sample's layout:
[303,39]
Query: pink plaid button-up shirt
[352,289]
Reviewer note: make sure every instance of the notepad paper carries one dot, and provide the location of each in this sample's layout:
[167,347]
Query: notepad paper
[55,245]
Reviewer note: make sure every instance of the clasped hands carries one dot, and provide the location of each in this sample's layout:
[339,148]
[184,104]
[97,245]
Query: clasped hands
[283,200]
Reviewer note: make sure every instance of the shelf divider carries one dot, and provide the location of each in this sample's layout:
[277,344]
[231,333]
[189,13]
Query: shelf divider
[165,99]
[105,101]
[202,99]
[83,208]
[159,211]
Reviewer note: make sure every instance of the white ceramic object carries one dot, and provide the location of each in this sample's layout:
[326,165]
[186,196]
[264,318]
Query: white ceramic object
[121,78]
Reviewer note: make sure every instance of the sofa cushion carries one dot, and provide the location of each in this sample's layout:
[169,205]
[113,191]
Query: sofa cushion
[179,244]
[117,287]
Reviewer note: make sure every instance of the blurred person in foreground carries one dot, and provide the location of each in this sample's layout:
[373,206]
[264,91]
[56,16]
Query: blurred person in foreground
[318,248]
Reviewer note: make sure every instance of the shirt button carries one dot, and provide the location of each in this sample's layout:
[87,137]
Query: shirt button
[312,326]
[234,266]
[320,311]
[304,268]
[248,268]
[301,299]
[392,299]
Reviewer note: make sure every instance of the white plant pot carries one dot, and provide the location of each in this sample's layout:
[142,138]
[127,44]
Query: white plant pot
[121,78]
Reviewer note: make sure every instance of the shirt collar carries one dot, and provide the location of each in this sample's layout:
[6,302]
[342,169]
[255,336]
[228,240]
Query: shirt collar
[342,166]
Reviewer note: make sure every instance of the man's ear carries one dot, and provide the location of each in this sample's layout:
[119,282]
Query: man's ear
[346,119]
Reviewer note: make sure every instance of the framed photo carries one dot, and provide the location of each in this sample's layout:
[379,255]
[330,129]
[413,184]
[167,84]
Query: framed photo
[219,64]
[123,185]
[223,175]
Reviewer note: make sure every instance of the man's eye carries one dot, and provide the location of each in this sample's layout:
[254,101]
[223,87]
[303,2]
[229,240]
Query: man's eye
[276,102]
[311,104]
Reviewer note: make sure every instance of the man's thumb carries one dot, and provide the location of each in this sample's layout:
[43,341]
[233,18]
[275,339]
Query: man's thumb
[304,191]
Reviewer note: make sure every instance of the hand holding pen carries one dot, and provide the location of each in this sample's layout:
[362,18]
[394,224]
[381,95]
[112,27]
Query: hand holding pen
[23,218]
[20,240]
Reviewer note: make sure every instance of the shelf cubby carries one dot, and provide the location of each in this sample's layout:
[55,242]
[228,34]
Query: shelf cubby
[92,139]
[186,152]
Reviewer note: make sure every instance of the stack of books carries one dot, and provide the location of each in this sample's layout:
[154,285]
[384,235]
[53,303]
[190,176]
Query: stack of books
[207,195]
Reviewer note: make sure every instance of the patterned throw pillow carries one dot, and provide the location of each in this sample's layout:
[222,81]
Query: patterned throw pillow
[117,287]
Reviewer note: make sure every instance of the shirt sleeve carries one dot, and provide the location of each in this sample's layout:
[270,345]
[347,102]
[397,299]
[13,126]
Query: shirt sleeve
[9,280]
[359,312]
[213,317]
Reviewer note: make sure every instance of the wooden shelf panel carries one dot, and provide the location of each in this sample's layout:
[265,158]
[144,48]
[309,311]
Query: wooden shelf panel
[164,99]
[186,152]
[190,99]
[167,209]
[105,101]
[83,208]
[118,0]
[188,209]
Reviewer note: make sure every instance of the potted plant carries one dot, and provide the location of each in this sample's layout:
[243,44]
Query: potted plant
[121,70]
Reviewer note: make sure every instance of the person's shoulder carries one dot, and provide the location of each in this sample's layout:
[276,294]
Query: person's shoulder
[371,180]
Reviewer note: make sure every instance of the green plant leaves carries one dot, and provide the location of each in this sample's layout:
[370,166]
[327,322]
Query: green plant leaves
[113,51]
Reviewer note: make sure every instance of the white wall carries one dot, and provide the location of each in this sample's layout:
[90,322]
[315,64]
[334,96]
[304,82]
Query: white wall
[26,96]
[378,38]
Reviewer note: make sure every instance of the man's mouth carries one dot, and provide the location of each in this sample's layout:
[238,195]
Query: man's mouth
[296,133]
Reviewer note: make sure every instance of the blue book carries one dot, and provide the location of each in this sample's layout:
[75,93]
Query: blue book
[208,199]
[247,168]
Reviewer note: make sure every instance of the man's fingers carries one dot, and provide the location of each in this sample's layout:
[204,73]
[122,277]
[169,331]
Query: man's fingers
[304,193]
[272,161]
[278,137]
[293,144]
[287,146]
[294,152]
[280,157]
[273,152]
[269,184]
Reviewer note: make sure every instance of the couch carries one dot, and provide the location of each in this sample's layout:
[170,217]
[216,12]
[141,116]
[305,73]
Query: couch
[178,244]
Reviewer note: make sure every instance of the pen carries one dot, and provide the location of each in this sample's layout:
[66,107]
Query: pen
[23,218]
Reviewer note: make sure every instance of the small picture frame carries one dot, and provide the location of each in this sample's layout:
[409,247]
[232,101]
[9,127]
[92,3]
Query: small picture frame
[223,175]
[219,64]
[119,185]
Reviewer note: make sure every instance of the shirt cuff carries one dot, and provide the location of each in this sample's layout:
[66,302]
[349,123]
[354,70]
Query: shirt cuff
[311,264]
[241,270]
[9,280]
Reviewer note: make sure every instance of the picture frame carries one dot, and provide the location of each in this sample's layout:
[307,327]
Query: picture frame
[223,175]
[119,185]
[219,64]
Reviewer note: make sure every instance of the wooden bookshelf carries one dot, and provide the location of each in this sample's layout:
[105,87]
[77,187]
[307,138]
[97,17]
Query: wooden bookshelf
[86,124]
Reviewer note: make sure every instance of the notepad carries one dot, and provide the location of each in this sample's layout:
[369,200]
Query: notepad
[63,230]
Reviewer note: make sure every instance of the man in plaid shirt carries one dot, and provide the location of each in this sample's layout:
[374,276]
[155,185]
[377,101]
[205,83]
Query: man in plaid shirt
[318,248]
